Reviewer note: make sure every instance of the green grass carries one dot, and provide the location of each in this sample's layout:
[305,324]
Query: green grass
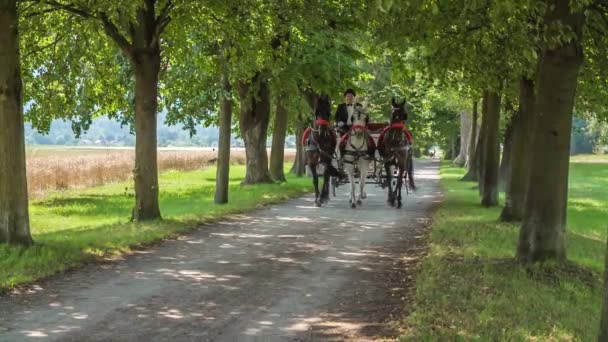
[469,287]
[75,227]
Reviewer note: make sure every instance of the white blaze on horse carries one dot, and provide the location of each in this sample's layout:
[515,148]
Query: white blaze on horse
[357,148]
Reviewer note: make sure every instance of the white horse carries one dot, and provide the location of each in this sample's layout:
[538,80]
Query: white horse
[355,153]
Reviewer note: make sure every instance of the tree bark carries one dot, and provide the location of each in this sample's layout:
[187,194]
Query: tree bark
[450,150]
[482,141]
[277,152]
[145,174]
[472,138]
[299,164]
[465,139]
[523,129]
[603,335]
[455,146]
[543,227]
[299,167]
[311,98]
[474,149]
[506,160]
[222,178]
[144,55]
[253,121]
[14,214]
[491,152]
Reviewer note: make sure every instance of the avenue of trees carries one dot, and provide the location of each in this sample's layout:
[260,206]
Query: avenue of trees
[501,72]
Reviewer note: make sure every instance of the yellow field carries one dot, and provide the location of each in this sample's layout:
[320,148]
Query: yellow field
[589,158]
[61,168]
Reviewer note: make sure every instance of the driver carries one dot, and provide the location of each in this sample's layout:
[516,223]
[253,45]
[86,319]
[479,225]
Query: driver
[345,111]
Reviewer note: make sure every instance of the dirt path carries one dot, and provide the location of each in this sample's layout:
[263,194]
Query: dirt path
[291,272]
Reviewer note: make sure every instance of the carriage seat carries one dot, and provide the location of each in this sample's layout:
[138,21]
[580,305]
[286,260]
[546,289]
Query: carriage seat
[377,126]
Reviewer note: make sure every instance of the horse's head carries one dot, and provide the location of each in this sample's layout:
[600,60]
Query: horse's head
[359,118]
[398,113]
[323,107]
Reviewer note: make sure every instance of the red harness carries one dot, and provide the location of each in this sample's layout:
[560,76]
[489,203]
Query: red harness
[396,125]
[370,141]
[318,122]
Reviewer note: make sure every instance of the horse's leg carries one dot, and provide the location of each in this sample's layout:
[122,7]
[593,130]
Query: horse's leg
[350,170]
[391,196]
[410,171]
[333,184]
[315,181]
[332,169]
[364,168]
[402,170]
[325,191]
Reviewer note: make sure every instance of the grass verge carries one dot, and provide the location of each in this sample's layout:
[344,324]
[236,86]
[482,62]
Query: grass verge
[469,288]
[74,227]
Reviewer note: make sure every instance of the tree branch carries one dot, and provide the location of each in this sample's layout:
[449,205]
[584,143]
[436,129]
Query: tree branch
[48,10]
[600,2]
[109,27]
[112,31]
[161,22]
[32,4]
[160,27]
[42,48]
[83,12]
[164,13]
[132,31]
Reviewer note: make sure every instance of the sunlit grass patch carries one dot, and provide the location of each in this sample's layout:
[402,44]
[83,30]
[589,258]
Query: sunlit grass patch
[469,287]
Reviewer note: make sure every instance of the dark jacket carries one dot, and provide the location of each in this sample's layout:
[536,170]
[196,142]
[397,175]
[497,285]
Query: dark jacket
[342,112]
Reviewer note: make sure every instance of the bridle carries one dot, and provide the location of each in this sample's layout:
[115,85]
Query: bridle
[359,151]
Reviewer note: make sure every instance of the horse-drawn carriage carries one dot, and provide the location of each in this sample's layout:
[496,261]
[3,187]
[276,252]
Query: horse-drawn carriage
[361,153]
[376,173]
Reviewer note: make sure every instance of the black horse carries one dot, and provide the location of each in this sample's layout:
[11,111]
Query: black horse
[320,146]
[396,151]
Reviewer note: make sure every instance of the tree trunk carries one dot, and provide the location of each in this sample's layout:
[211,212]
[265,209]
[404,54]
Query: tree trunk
[299,164]
[543,227]
[14,215]
[144,55]
[277,153]
[506,160]
[222,177]
[147,66]
[482,141]
[523,129]
[474,149]
[253,121]
[311,98]
[472,139]
[455,142]
[465,139]
[449,151]
[603,335]
[491,152]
